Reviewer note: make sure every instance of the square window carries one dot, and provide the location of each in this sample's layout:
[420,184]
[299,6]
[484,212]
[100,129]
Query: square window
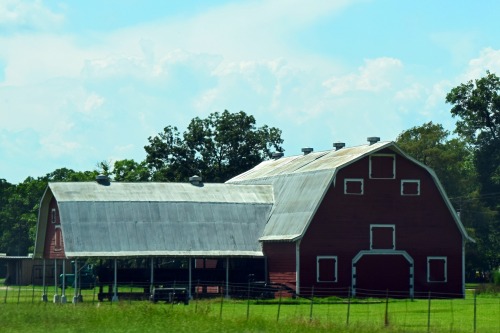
[382,166]
[410,187]
[437,269]
[326,269]
[382,237]
[353,186]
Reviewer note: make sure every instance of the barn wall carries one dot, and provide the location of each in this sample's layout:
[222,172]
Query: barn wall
[53,249]
[423,227]
[281,262]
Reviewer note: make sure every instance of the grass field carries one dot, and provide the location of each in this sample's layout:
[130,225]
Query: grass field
[22,311]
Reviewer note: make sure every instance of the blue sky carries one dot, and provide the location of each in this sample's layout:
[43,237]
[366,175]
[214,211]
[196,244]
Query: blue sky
[89,81]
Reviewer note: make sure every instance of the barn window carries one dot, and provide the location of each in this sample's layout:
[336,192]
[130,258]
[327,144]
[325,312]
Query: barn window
[353,186]
[205,263]
[437,269]
[326,269]
[382,237]
[382,166]
[410,187]
[53,215]
[57,239]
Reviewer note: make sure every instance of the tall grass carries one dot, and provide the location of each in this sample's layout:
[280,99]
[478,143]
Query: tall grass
[22,311]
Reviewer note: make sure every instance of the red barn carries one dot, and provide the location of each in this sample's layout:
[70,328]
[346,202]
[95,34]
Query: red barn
[367,220]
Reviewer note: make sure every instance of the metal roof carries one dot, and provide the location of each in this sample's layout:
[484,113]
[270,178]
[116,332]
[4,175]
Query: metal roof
[160,219]
[300,183]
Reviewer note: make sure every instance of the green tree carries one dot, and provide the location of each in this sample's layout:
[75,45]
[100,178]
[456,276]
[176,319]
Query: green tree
[217,148]
[450,158]
[130,171]
[476,104]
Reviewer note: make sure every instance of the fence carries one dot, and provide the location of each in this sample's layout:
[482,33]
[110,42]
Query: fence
[426,311]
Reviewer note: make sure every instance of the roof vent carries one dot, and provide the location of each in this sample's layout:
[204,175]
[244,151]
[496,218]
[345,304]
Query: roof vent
[277,155]
[195,180]
[307,150]
[102,179]
[338,145]
[373,139]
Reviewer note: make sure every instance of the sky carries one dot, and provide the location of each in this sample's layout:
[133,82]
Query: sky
[87,81]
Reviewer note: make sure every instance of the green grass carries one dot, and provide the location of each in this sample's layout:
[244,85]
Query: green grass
[21,310]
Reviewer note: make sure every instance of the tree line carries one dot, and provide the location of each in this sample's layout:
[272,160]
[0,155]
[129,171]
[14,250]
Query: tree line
[226,144]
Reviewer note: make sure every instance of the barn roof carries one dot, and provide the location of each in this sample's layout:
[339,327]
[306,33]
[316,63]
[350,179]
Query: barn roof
[160,219]
[309,176]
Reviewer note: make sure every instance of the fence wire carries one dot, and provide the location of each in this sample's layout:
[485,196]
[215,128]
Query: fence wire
[477,312]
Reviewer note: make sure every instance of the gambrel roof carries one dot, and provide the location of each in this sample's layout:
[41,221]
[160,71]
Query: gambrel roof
[301,182]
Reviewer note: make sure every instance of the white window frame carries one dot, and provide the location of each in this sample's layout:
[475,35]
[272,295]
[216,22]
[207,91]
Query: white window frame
[346,180]
[318,258]
[404,181]
[58,234]
[393,226]
[393,165]
[429,258]
[53,216]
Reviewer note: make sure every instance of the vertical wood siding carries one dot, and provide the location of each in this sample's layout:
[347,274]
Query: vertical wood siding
[423,227]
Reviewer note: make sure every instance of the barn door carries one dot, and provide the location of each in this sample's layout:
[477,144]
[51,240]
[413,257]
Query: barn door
[375,275]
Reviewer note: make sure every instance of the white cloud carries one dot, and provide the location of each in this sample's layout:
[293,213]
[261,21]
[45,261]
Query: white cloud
[376,75]
[25,14]
[489,59]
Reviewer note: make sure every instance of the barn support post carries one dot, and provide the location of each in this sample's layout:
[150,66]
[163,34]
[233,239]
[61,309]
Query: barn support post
[75,297]
[297,267]
[151,286]
[227,277]
[44,288]
[56,295]
[190,282]
[463,267]
[63,289]
[115,287]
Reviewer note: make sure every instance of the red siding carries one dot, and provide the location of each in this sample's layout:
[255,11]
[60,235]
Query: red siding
[423,227]
[281,262]
[54,243]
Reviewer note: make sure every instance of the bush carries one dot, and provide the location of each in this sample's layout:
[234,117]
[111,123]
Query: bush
[496,277]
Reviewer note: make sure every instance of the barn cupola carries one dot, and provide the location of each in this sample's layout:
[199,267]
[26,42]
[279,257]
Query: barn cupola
[195,180]
[102,179]
[307,150]
[373,139]
[277,155]
[338,145]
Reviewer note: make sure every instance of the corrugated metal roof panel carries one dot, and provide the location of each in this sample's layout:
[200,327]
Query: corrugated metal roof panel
[178,192]
[102,228]
[326,160]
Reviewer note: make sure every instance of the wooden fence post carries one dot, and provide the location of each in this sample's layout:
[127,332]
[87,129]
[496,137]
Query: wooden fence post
[279,306]
[348,305]
[429,312]
[386,316]
[312,303]
[475,309]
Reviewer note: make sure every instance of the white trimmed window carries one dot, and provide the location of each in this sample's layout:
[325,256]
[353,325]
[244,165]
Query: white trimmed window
[410,187]
[326,268]
[53,215]
[382,166]
[353,186]
[382,237]
[57,239]
[437,270]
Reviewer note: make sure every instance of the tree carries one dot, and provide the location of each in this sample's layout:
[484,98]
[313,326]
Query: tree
[130,171]
[477,106]
[217,148]
[451,159]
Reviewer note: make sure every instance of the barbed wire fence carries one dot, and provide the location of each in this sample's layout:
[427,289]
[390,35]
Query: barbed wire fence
[477,312]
